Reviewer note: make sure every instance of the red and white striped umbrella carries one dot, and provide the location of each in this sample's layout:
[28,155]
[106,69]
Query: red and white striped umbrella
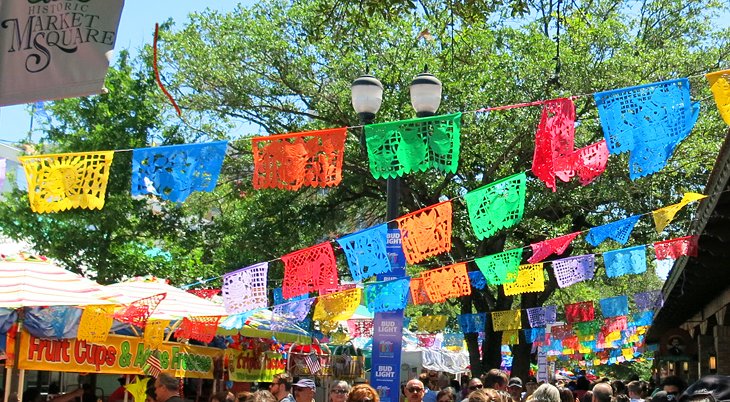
[177,303]
[34,282]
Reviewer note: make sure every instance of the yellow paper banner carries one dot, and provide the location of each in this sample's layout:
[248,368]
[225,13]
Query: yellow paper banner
[58,182]
[720,87]
[154,332]
[530,278]
[95,323]
[431,323]
[506,320]
[117,355]
[337,306]
[663,216]
[511,337]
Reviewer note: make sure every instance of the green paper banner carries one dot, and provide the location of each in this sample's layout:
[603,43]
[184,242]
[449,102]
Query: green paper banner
[496,206]
[500,268]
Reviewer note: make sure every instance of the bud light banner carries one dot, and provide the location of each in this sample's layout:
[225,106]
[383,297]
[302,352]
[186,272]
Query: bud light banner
[57,49]
[388,331]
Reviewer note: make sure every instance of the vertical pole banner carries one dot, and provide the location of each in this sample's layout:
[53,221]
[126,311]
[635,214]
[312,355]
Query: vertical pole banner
[542,365]
[388,331]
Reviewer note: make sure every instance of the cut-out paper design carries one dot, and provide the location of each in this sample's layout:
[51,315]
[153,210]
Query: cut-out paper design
[387,295]
[245,289]
[290,161]
[408,146]
[426,232]
[614,306]
[58,182]
[419,295]
[545,248]
[309,269]
[174,172]
[533,335]
[360,328]
[426,340]
[366,253]
[663,216]
[530,278]
[500,268]
[642,319]
[554,139]
[675,248]
[571,270]
[431,323]
[579,312]
[561,331]
[294,311]
[453,340]
[338,306]
[541,316]
[95,323]
[338,288]
[496,206]
[446,282]
[511,337]
[477,279]
[649,300]
[590,162]
[471,323]
[648,121]
[625,261]
[154,333]
[207,294]
[279,297]
[201,328]
[619,231]
[720,86]
[586,328]
[614,324]
[137,312]
[506,320]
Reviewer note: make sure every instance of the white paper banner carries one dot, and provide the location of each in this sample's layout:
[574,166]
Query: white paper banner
[57,49]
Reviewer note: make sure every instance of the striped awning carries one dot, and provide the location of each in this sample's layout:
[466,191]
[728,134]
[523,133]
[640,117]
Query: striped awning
[176,305]
[34,282]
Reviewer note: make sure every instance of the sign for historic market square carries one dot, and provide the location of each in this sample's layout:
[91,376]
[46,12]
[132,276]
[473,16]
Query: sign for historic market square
[118,355]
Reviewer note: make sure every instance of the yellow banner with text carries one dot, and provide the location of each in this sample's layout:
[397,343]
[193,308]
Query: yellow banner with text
[245,366]
[118,355]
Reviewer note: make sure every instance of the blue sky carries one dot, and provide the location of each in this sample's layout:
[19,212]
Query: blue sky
[137,28]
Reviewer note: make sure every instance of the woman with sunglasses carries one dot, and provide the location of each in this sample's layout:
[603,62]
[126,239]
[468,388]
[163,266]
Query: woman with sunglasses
[339,390]
[363,393]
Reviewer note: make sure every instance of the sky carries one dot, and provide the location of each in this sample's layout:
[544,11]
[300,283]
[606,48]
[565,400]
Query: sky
[136,28]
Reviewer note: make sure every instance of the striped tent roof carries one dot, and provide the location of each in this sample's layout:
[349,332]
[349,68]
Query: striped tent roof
[29,281]
[176,305]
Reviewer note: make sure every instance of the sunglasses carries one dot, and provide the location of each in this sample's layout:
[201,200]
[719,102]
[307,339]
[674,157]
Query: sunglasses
[414,389]
[339,391]
[473,387]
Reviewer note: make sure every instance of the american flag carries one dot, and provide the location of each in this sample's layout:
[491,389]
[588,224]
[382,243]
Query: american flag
[152,365]
[312,361]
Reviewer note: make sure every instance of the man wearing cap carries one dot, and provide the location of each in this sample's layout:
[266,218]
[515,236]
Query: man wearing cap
[281,388]
[304,390]
[514,387]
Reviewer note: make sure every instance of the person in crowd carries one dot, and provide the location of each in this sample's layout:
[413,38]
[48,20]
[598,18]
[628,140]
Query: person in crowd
[546,393]
[263,395]
[474,384]
[602,392]
[304,390]
[506,396]
[566,395]
[484,395]
[635,391]
[530,388]
[587,396]
[281,388]
[70,396]
[150,395]
[363,393]
[661,396]
[514,387]
[582,385]
[708,388]
[429,395]
[339,390]
[447,394]
[414,390]
[619,388]
[496,379]
[220,396]
[167,388]
[118,394]
[673,385]
[244,396]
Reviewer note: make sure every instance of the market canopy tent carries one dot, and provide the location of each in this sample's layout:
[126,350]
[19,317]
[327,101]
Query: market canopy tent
[177,303]
[261,324]
[34,282]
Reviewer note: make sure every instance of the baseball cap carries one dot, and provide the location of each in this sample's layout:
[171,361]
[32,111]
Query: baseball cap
[711,388]
[305,383]
[515,382]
